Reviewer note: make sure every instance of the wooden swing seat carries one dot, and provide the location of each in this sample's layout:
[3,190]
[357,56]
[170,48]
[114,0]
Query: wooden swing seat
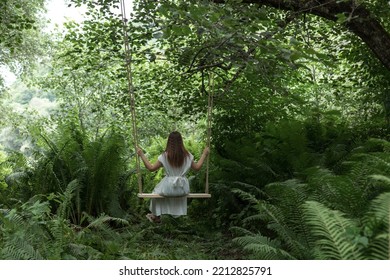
[190,195]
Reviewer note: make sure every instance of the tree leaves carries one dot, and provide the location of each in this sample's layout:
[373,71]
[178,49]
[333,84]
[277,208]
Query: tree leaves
[20,38]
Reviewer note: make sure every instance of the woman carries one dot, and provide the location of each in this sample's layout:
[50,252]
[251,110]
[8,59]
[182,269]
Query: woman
[176,161]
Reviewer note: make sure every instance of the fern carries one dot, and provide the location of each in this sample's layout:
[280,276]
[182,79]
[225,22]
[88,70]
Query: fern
[101,221]
[287,231]
[87,171]
[66,199]
[263,247]
[20,227]
[57,241]
[285,215]
[281,220]
[377,220]
[248,197]
[347,193]
[381,178]
[18,248]
[331,231]
[30,231]
[380,208]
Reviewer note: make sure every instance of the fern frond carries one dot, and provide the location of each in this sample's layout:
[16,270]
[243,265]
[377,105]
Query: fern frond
[14,217]
[378,220]
[60,234]
[101,221]
[288,184]
[66,198]
[346,193]
[19,249]
[380,208]
[381,160]
[254,190]
[253,219]
[81,251]
[288,196]
[330,228]
[289,231]
[263,247]
[240,231]
[379,247]
[248,197]
[382,179]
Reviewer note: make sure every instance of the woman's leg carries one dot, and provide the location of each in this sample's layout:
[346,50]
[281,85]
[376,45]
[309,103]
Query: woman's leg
[153,218]
[154,208]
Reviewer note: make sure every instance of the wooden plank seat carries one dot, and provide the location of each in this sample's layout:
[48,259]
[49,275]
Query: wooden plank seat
[190,195]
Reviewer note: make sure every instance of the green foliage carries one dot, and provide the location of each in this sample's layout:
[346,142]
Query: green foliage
[283,150]
[295,96]
[22,229]
[263,247]
[332,233]
[271,219]
[92,172]
[339,237]
[377,221]
[20,39]
[4,170]
[30,231]
[343,216]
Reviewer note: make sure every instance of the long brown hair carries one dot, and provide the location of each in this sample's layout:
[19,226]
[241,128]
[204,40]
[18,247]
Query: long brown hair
[176,152]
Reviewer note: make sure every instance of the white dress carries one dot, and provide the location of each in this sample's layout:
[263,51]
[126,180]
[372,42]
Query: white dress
[175,183]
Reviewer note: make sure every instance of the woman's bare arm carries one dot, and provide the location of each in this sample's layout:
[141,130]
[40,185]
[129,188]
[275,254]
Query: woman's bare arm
[198,165]
[151,167]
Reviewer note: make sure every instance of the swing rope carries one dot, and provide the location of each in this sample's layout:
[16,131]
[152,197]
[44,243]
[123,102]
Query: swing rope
[210,100]
[128,57]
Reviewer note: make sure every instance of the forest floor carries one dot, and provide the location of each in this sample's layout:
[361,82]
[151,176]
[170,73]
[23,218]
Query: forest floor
[185,239]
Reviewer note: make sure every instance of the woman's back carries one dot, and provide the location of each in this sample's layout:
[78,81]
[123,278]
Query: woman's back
[176,171]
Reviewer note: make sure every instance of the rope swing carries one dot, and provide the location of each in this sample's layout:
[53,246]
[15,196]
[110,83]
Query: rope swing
[206,193]
[128,57]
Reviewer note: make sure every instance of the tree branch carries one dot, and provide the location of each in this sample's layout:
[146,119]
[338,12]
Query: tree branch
[360,20]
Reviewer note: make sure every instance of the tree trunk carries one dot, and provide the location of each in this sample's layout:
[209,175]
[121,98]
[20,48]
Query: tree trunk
[360,21]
